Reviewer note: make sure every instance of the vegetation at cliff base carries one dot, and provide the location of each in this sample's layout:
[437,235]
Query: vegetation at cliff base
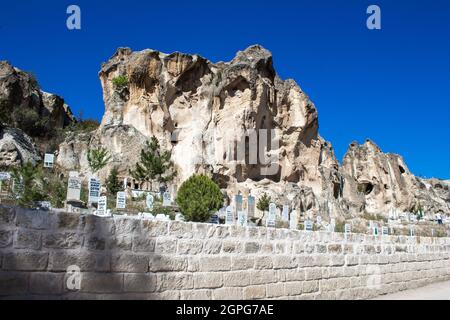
[198,198]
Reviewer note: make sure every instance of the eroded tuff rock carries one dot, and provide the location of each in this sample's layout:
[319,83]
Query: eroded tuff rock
[201,111]
[20,92]
[16,148]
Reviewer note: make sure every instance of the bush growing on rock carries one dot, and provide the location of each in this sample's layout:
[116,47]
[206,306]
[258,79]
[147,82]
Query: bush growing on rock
[120,82]
[198,198]
[263,202]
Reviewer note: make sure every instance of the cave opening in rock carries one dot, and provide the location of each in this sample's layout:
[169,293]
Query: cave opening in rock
[365,188]
[402,170]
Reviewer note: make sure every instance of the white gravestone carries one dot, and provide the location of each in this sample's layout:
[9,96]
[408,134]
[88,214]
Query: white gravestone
[49,160]
[271,219]
[74,188]
[229,219]
[5,176]
[167,199]
[293,221]
[149,200]
[180,217]
[242,218]
[348,228]
[319,220]
[94,190]
[102,206]
[121,201]
[375,230]
[308,225]
[385,231]
[412,232]
[285,214]
[251,206]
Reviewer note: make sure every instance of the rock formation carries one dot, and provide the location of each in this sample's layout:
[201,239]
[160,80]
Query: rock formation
[241,124]
[16,148]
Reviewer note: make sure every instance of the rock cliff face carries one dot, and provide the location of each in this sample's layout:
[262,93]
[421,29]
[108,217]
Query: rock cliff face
[20,93]
[253,132]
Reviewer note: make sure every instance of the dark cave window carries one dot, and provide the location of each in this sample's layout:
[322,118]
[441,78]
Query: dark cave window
[365,187]
[402,170]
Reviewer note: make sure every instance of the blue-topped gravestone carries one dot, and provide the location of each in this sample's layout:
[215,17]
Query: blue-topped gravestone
[251,206]
[242,218]
[309,225]
[94,190]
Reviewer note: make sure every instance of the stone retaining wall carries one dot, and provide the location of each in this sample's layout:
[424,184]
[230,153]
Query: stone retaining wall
[126,258]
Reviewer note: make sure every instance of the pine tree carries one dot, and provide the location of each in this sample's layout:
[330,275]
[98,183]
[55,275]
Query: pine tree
[263,202]
[98,159]
[113,185]
[154,164]
[198,198]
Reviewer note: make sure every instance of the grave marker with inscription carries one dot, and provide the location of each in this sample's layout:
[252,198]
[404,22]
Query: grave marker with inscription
[121,201]
[285,214]
[271,218]
[94,190]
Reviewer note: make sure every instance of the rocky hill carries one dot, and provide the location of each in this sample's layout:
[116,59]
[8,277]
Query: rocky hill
[209,114]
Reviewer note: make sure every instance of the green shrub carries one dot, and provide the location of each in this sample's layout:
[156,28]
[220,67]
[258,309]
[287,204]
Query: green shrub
[120,82]
[263,203]
[113,185]
[198,198]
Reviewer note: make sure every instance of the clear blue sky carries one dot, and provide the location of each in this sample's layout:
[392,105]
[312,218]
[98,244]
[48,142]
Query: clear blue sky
[392,85]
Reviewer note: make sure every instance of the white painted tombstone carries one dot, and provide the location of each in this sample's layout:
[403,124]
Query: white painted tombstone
[102,206]
[271,218]
[49,160]
[385,231]
[242,218]
[167,199]
[348,228]
[330,227]
[5,176]
[309,225]
[251,206]
[121,201]
[319,220]
[285,214]
[229,218]
[162,217]
[333,223]
[293,221]
[412,232]
[94,190]
[149,200]
[180,217]
[45,205]
[74,187]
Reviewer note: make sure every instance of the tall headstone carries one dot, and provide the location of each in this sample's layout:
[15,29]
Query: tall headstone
[121,201]
[293,221]
[229,217]
[167,199]
[385,231]
[271,219]
[102,206]
[94,190]
[285,213]
[74,187]
[242,218]
[149,200]
[238,203]
[251,206]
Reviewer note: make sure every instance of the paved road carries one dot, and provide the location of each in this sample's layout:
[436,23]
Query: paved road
[437,291]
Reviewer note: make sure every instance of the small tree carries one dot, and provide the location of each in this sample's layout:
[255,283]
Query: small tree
[263,203]
[27,185]
[154,164]
[113,185]
[198,198]
[98,159]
